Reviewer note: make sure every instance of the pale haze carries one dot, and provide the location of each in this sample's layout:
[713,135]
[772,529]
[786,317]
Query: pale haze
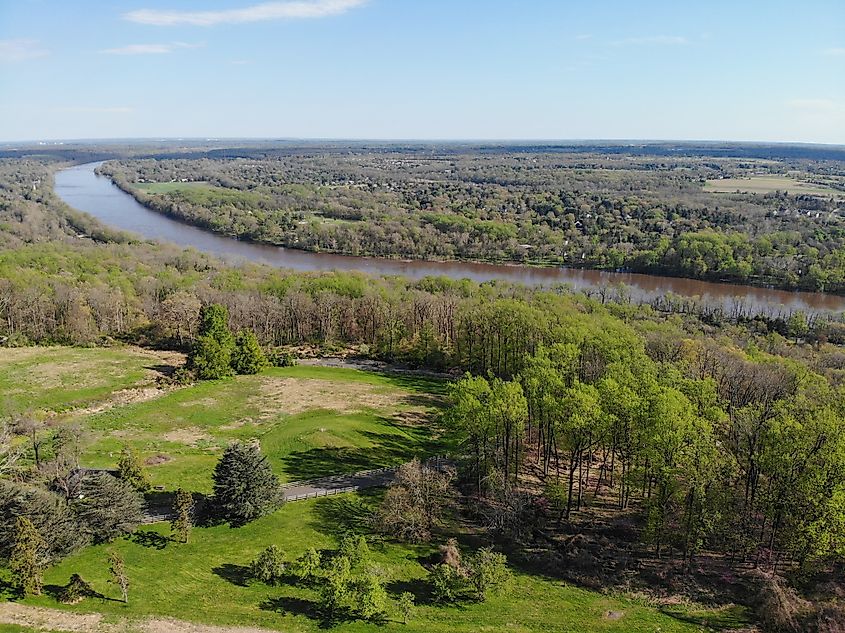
[396,69]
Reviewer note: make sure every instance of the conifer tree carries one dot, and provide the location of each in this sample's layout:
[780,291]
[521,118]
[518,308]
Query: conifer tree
[247,357]
[24,561]
[211,355]
[182,522]
[245,487]
[131,470]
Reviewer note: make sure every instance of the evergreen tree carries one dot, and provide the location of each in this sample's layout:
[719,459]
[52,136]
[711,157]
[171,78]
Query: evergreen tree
[245,487]
[247,357]
[269,566]
[211,354]
[53,519]
[130,470]
[108,507]
[76,590]
[354,548]
[182,522]
[117,570]
[25,559]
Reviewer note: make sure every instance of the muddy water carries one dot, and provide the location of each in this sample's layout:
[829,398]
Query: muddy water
[82,189]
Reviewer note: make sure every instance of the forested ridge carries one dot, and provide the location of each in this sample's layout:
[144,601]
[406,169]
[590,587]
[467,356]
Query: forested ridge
[608,211]
[609,443]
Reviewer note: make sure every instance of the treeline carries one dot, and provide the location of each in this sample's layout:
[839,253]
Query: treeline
[723,450]
[592,211]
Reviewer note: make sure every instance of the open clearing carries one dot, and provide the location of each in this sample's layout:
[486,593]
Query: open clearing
[205,581]
[769,184]
[51,380]
[311,422]
[165,187]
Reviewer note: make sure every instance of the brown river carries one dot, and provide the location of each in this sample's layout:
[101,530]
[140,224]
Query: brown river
[84,190]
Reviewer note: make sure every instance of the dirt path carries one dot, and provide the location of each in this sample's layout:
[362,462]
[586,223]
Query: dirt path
[44,619]
[336,484]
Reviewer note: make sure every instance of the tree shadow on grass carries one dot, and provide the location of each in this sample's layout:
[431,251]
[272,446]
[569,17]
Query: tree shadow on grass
[236,574]
[8,591]
[164,370]
[418,587]
[152,540]
[734,617]
[388,449]
[345,514]
[57,592]
[308,608]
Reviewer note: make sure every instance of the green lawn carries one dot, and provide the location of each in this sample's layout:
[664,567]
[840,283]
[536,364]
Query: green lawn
[166,187]
[768,184]
[205,581]
[204,193]
[56,379]
[311,421]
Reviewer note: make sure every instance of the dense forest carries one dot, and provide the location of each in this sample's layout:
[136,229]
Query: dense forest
[590,430]
[609,211]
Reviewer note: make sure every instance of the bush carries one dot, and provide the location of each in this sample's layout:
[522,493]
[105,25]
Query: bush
[488,571]
[354,548]
[269,566]
[371,597]
[76,590]
[779,607]
[446,583]
[280,358]
[307,566]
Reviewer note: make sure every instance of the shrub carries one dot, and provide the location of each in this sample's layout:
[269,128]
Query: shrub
[487,571]
[307,566]
[446,583]
[354,548]
[76,590]
[280,358]
[269,566]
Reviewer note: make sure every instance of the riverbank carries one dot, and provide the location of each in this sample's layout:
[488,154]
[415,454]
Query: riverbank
[82,189]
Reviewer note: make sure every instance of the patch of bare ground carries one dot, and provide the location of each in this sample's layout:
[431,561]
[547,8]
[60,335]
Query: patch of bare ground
[191,436]
[296,395]
[122,398]
[44,619]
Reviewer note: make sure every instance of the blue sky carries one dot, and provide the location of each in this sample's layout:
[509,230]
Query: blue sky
[423,69]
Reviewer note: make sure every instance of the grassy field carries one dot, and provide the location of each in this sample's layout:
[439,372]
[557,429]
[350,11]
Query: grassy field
[204,193]
[311,421]
[58,379]
[167,187]
[205,581]
[769,184]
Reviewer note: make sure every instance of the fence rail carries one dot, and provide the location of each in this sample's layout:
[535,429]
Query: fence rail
[373,478]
